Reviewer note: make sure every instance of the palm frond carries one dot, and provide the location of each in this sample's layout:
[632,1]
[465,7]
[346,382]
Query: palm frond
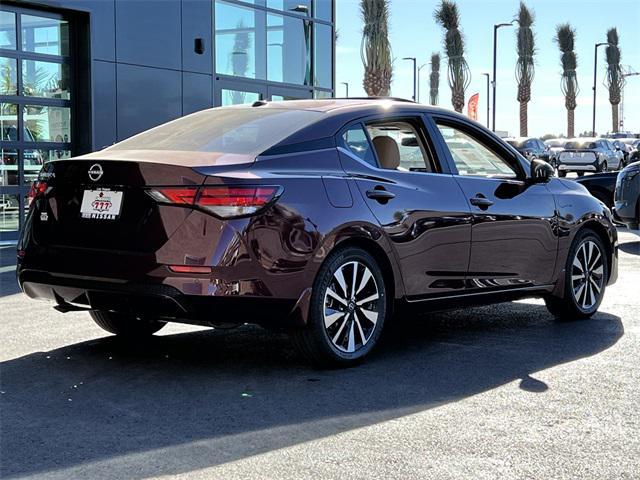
[525,67]
[375,49]
[434,78]
[565,38]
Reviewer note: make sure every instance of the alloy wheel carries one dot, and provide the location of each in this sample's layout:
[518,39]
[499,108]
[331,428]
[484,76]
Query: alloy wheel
[587,275]
[351,306]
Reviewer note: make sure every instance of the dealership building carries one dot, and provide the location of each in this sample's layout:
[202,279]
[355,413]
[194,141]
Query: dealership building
[79,75]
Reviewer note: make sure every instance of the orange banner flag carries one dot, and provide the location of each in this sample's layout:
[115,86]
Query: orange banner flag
[472,107]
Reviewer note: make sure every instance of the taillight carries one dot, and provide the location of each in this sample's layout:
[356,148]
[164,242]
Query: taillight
[222,201]
[38,188]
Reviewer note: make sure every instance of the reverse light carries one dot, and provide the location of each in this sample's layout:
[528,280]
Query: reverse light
[38,189]
[222,201]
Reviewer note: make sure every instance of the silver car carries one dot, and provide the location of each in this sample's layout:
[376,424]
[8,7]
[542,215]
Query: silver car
[588,155]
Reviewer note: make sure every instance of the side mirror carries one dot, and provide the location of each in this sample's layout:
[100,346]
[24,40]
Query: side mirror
[541,171]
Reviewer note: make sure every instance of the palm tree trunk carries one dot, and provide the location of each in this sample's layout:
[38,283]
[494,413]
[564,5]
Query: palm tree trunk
[523,119]
[614,117]
[570,123]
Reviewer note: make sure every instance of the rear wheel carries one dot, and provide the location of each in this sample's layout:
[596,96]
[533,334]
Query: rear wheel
[604,167]
[562,173]
[347,310]
[586,272]
[126,326]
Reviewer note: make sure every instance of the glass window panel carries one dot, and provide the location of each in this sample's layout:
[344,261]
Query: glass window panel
[45,79]
[236,33]
[9,213]
[472,158]
[47,124]
[238,97]
[8,30]
[356,141]
[323,55]
[297,6]
[288,38]
[323,9]
[409,146]
[34,159]
[8,167]
[45,35]
[8,76]
[322,94]
[9,122]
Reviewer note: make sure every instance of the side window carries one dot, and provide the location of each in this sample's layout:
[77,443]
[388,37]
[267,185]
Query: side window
[472,158]
[356,141]
[398,146]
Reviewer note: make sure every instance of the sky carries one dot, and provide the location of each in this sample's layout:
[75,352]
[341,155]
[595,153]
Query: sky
[414,33]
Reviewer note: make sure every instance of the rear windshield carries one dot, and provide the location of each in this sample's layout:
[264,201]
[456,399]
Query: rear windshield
[580,145]
[234,130]
[555,143]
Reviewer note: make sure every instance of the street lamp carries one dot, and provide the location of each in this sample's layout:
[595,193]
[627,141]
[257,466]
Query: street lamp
[420,68]
[413,59]
[495,49]
[595,77]
[488,82]
[346,86]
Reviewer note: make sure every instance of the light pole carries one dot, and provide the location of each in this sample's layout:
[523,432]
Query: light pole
[346,86]
[488,82]
[420,68]
[413,59]
[624,76]
[495,49]
[595,78]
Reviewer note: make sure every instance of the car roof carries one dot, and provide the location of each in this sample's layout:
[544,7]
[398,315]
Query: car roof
[353,104]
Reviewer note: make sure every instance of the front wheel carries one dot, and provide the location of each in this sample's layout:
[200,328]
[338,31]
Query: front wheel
[347,310]
[562,173]
[586,274]
[125,326]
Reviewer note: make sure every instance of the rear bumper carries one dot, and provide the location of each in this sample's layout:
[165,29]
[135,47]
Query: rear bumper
[158,301]
[578,167]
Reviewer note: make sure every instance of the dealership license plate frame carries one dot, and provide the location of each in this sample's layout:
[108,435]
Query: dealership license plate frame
[101,204]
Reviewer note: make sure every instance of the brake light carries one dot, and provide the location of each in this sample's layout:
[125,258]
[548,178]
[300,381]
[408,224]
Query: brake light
[222,201]
[189,269]
[38,189]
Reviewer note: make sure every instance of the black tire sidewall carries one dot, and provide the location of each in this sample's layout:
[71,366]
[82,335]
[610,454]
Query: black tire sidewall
[316,308]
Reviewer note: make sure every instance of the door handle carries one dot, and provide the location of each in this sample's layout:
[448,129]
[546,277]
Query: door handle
[380,195]
[480,202]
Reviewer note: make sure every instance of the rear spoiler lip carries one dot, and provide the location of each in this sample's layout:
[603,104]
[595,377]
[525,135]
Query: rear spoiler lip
[178,158]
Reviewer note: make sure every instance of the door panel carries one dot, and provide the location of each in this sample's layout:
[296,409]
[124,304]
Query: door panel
[427,220]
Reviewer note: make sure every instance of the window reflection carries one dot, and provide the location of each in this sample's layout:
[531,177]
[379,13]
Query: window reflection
[323,56]
[48,124]
[8,76]
[34,159]
[45,79]
[323,9]
[9,213]
[8,30]
[8,122]
[236,41]
[238,97]
[8,167]
[288,42]
[45,35]
[297,6]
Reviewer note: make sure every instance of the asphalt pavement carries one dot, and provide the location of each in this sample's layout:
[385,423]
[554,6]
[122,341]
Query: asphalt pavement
[493,392]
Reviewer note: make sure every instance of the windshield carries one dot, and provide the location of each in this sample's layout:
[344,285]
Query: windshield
[233,130]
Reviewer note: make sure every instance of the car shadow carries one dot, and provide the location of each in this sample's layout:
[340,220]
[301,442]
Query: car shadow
[178,403]
[632,248]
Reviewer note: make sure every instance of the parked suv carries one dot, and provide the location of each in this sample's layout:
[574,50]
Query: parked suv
[588,155]
[531,148]
[627,196]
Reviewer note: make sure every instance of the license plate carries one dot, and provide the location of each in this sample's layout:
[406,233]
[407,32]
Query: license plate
[103,204]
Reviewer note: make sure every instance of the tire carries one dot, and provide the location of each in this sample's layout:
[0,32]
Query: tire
[582,302]
[125,326]
[562,173]
[346,336]
[580,174]
[604,167]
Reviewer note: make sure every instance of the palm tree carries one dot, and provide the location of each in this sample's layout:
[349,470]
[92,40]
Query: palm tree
[565,37]
[458,74]
[434,78]
[239,60]
[375,49]
[524,67]
[615,78]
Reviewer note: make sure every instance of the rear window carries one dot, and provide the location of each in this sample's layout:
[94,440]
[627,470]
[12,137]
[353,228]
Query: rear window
[555,143]
[233,130]
[580,145]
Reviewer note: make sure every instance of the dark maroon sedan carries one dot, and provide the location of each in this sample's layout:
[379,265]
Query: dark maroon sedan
[319,217]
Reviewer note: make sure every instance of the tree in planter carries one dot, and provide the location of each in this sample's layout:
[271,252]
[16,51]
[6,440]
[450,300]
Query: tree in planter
[375,49]
[615,78]
[458,74]
[434,78]
[525,69]
[565,38]
[239,59]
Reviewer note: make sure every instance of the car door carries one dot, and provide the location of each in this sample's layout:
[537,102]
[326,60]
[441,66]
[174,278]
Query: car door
[417,202]
[513,243]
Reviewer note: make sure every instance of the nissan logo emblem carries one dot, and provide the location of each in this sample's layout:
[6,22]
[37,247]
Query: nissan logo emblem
[95,172]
